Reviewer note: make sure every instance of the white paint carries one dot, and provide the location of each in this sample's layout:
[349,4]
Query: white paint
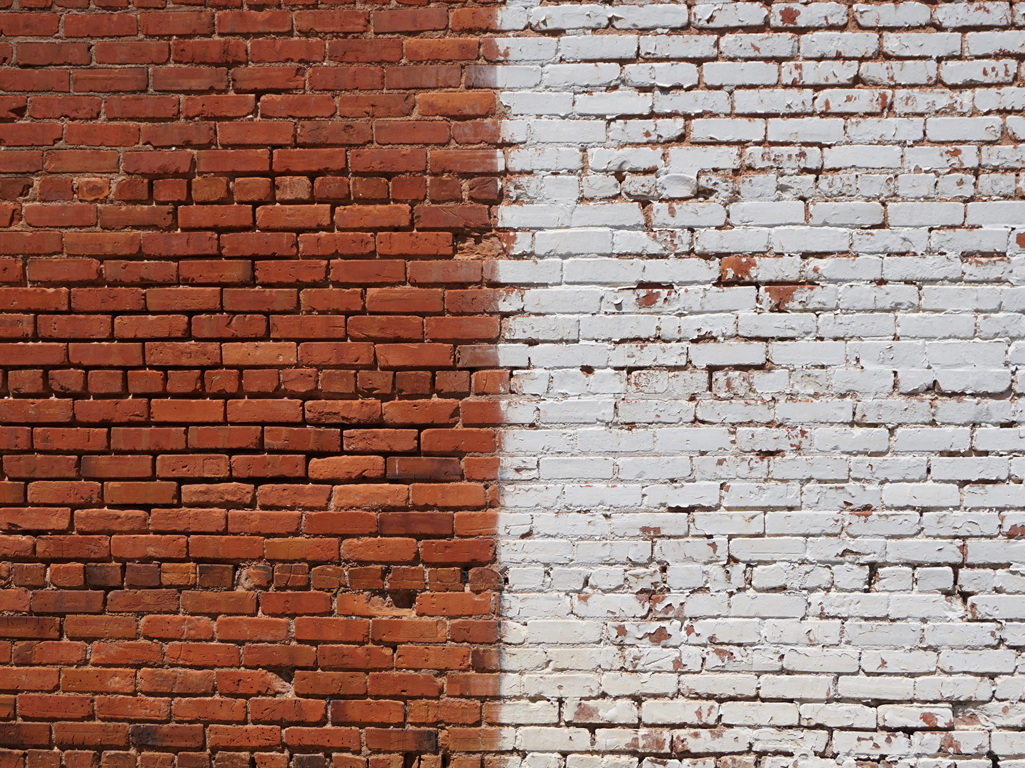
[763,507]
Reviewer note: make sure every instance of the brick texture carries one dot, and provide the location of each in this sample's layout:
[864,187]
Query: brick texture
[724,298]
[245,519]
[762,461]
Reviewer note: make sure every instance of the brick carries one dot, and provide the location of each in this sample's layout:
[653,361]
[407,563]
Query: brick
[208,51]
[52,54]
[132,53]
[456,105]
[253,22]
[218,106]
[267,78]
[293,216]
[109,80]
[309,160]
[180,23]
[141,107]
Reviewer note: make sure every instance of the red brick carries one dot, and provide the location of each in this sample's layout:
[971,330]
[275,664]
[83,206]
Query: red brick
[135,708]
[31,135]
[260,133]
[321,133]
[329,683]
[360,712]
[233,160]
[361,51]
[444,49]
[218,106]
[202,654]
[419,77]
[253,22]
[52,54]
[141,107]
[331,21]
[419,20]
[208,51]
[293,217]
[383,550]
[404,685]
[126,653]
[341,78]
[376,105]
[44,706]
[407,740]
[178,737]
[341,523]
[299,105]
[458,105]
[215,216]
[247,682]
[323,738]
[415,355]
[124,52]
[178,23]
[268,78]
[178,681]
[109,80]
[29,24]
[275,50]
[46,81]
[210,710]
[309,160]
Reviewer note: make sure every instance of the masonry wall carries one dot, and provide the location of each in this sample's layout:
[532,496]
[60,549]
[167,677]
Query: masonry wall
[246,476]
[761,469]
[557,385]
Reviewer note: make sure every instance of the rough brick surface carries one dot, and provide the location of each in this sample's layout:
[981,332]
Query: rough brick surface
[732,288]
[244,521]
[761,464]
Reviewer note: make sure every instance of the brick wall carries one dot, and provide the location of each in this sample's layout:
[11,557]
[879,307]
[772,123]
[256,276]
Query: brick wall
[761,465]
[246,483]
[735,289]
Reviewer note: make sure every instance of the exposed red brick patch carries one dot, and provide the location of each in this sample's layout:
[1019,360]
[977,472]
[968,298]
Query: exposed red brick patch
[245,463]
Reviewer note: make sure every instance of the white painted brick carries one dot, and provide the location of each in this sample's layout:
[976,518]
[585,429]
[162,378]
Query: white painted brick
[885,130]
[947,129]
[819,73]
[676,46]
[597,48]
[774,101]
[613,104]
[758,46]
[810,130]
[978,14]
[655,16]
[1003,43]
[761,467]
[727,131]
[728,14]
[569,17]
[899,73]
[978,72]
[581,77]
[663,75]
[833,45]
[740,73]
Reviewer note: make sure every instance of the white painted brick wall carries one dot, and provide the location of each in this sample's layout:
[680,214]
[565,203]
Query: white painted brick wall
[763,459]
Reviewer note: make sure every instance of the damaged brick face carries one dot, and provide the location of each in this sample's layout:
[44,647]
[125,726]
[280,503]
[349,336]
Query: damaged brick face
[247,496]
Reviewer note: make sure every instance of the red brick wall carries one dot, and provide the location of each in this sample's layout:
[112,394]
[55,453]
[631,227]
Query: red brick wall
[245,488]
